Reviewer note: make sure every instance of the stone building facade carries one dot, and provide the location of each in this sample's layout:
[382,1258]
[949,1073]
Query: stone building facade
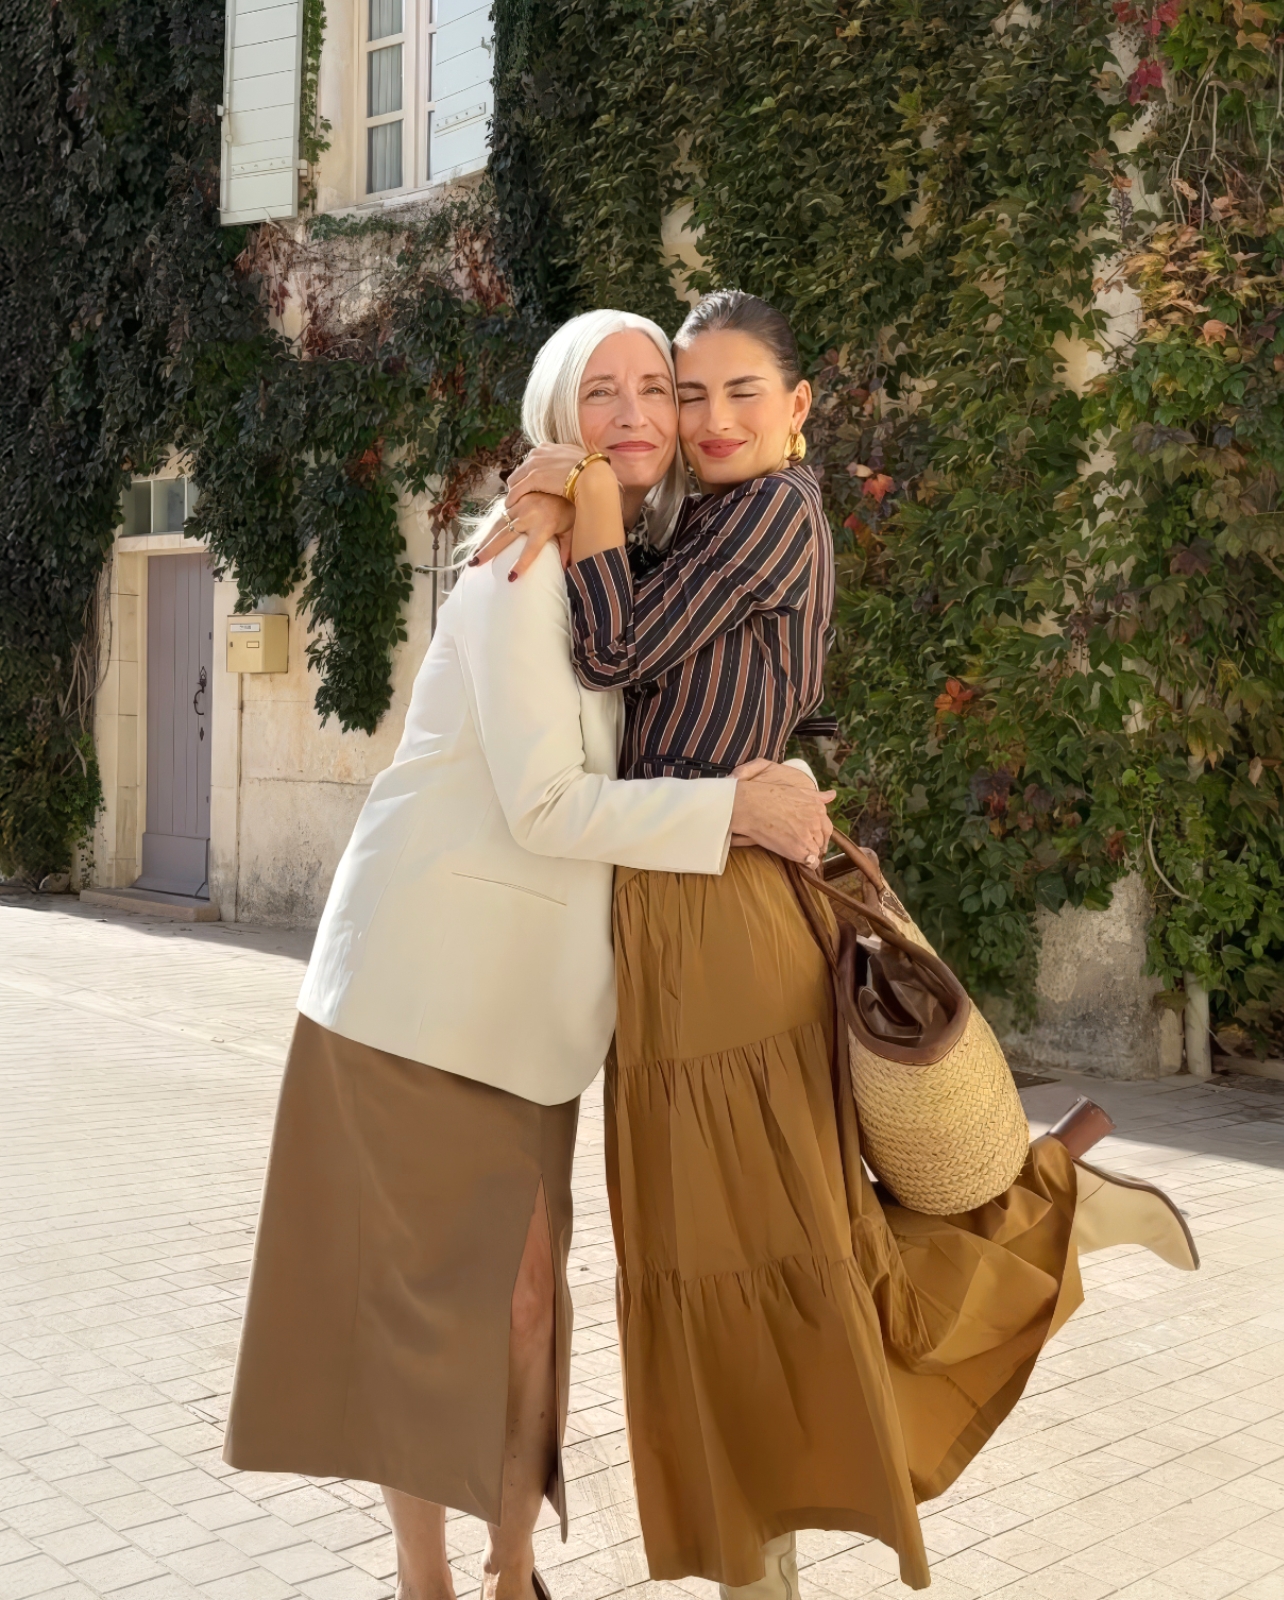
[233,769]
[224,794]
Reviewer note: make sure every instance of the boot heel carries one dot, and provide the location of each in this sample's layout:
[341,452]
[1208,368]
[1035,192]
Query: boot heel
[1085,1124]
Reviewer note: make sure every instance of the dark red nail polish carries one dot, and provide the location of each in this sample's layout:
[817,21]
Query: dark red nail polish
[475,562]
[512,577]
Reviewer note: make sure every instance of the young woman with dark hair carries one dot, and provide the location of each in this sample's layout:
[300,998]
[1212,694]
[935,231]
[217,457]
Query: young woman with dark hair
[799,1351]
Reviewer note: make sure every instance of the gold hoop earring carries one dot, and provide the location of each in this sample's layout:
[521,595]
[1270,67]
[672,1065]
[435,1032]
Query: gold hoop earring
[796,451]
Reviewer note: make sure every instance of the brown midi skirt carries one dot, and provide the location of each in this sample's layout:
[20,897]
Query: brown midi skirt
[397,1203]
[799,1351]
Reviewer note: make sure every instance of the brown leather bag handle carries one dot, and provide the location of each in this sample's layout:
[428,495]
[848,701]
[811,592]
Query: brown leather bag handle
[941,977]
[800,878]
[864,860]
[875,916]
[881,924]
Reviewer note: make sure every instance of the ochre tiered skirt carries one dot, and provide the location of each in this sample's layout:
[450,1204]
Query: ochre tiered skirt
[799,1351]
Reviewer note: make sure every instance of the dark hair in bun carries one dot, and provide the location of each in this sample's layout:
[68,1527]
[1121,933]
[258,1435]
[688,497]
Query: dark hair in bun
[738,312]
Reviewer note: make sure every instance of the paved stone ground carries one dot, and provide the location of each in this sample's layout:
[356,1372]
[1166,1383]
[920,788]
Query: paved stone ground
[138,1069]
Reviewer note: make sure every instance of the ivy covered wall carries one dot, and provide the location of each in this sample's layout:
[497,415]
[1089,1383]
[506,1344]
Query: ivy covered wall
[108,266]
[1061,628]
[132,323]
[1061,607]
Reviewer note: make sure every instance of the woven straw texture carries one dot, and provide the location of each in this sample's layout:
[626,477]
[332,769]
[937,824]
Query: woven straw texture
[947,1136]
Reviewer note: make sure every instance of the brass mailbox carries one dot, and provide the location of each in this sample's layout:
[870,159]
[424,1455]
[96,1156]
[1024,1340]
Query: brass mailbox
[259,642]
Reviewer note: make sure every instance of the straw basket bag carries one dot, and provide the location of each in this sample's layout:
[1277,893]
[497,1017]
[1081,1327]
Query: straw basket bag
[941,1122]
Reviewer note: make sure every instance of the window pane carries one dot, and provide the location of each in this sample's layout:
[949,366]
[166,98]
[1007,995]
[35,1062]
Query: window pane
[138,508]
[193,495]
[168,504]
[385,157]
[385,80]
[385,18]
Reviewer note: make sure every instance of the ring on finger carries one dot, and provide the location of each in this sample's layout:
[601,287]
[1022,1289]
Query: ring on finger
[508,522]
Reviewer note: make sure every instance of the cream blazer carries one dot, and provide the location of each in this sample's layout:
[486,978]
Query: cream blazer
[469,922]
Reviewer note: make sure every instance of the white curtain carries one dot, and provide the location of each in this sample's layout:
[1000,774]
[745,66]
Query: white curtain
[385,18]
[385,157]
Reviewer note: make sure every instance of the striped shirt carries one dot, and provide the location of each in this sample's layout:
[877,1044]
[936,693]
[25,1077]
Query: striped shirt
[721,648]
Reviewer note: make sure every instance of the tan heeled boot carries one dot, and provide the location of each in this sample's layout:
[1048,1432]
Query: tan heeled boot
[779,1582]
[1114,1210]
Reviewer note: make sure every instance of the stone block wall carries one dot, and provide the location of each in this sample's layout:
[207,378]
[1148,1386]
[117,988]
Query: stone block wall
[1097,1011]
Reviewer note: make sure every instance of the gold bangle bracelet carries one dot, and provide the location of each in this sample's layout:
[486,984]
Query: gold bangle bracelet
[573,477]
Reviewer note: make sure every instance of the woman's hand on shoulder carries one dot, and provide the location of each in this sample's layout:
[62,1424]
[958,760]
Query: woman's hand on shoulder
[546,470]
[538,518]
[536,509]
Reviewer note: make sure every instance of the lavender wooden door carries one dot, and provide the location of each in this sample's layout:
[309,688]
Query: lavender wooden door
[180,661]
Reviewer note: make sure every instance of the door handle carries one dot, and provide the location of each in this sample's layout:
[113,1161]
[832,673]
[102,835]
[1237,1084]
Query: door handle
[201,681]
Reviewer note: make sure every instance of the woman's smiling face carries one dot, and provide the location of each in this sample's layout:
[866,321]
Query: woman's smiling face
[736,412]
[627,408]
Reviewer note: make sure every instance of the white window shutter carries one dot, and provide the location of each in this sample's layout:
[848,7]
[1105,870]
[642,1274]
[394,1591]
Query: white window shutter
[261,82]
[463,99]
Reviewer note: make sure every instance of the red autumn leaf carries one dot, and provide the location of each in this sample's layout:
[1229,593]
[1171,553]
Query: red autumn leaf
[1168,12]
[878,486]
[865,535]
[366,466]
[1149,75]
[953,703]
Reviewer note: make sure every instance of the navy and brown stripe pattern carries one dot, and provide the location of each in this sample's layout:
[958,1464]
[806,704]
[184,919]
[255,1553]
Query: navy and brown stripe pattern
[720,649]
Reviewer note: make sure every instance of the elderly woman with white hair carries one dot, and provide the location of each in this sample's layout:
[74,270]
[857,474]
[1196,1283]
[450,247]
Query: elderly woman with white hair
[408,1318]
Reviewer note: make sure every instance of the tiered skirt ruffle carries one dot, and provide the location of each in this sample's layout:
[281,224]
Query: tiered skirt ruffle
[799,1351]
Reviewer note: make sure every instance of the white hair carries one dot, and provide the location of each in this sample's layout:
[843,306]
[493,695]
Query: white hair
[550,414]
